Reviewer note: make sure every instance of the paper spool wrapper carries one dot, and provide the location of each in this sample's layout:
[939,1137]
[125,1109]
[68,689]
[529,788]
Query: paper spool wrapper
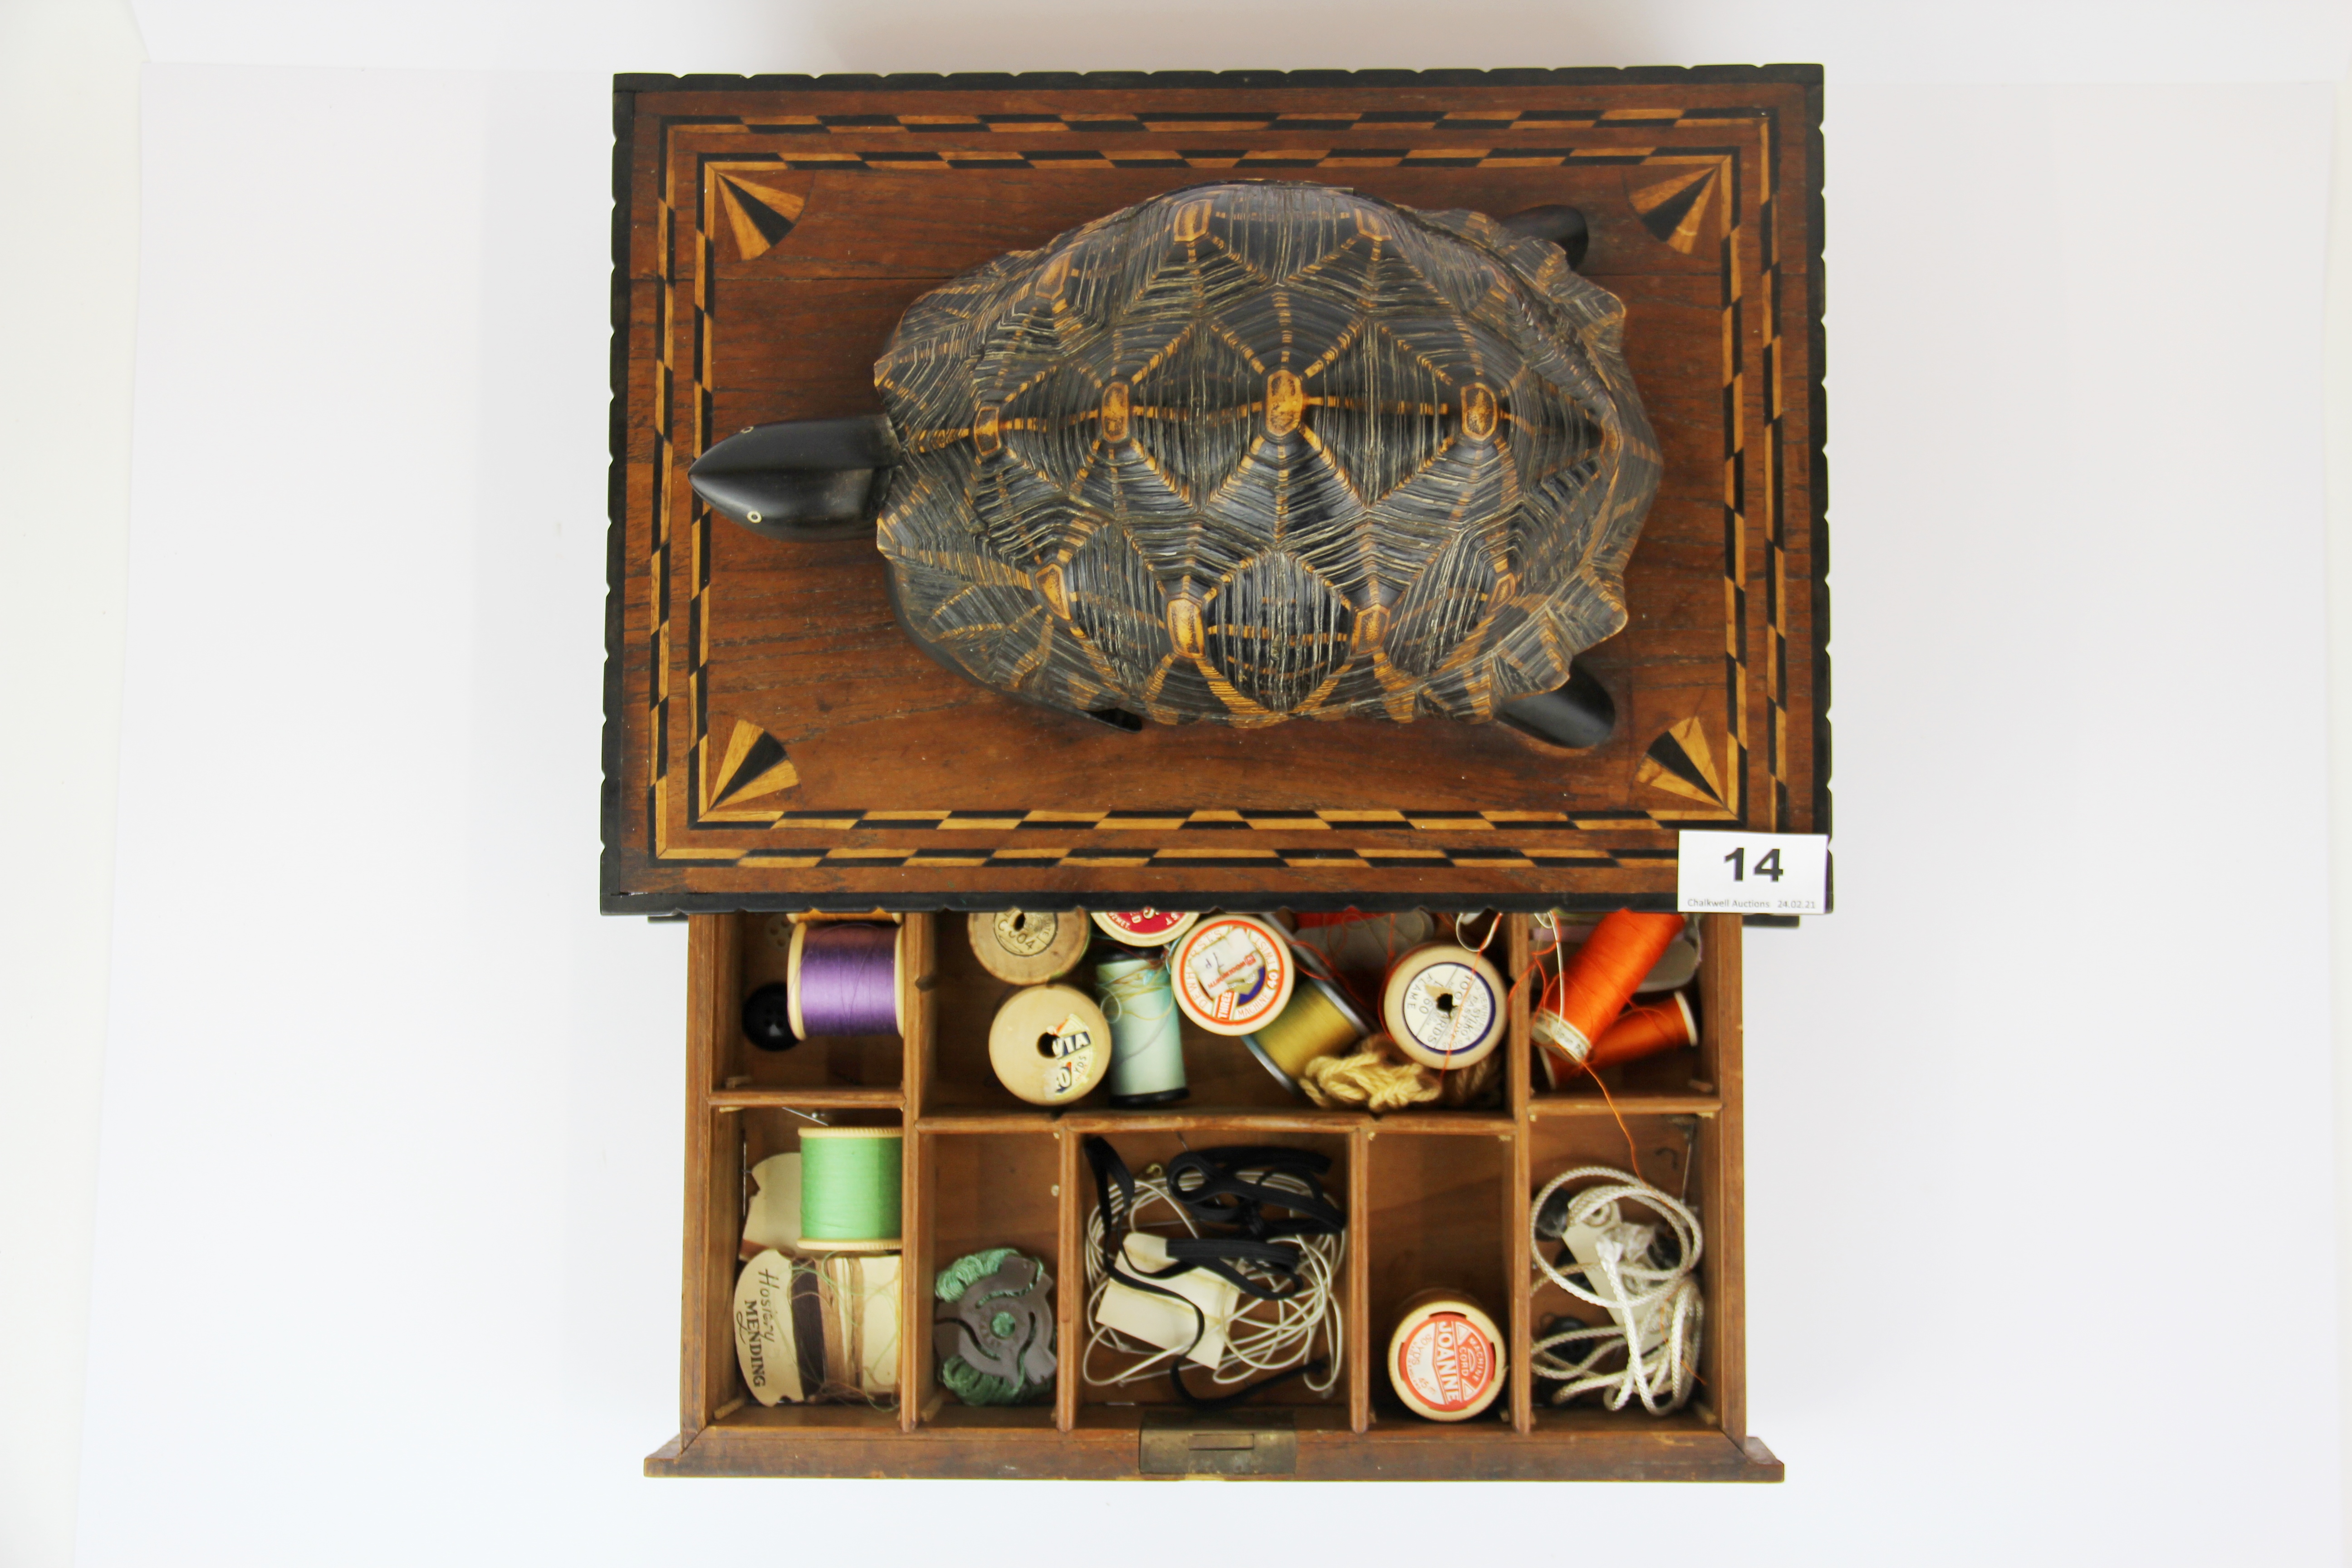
[1029,947]
[1232,974]
[1446,1359]
[792,973]
[816,1244]
[789,1346]
[1050,1045]
[1145,928]
[1444,1006]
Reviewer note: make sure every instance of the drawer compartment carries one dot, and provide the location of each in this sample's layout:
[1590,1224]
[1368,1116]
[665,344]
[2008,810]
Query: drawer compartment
[1432,1197]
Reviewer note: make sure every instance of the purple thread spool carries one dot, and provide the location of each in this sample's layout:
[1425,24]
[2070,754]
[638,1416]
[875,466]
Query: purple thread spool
[844,979]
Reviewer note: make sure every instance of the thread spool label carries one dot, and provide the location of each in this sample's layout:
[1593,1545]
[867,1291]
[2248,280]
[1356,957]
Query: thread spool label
[1233,974]
[764,1338]
[1446,1361]
[1025,935]
[1552,1030]
[1072,1045]
[1145,928]
[1448,1008]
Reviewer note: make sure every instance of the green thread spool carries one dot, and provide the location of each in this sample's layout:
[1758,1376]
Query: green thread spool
[849,1189]
[1317,1023]
[1147,1052]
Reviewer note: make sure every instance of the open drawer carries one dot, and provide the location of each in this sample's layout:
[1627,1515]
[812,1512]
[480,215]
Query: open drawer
[1432,1197]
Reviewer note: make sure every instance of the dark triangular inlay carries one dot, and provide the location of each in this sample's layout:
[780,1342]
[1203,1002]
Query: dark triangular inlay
[764,753]
[772,224]
[1668,754]
[1667,215]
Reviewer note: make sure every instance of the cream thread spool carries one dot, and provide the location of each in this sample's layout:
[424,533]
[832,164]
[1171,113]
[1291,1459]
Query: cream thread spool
[1028,947]
[1145,928]
[1233,973]
[1445,1358]
[1443,1007]
[850,1188]
[1317,1023]
[1049,1045]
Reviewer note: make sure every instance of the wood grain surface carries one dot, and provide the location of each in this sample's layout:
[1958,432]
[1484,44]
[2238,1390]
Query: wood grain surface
[773,739]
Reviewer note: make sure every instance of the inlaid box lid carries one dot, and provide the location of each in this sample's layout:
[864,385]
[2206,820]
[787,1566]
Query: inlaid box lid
[773,739]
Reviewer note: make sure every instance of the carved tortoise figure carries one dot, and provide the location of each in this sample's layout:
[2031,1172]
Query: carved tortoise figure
[1247,452]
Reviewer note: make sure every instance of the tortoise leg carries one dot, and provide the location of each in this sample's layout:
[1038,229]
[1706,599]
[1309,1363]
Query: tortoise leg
[801,479]
[1577,715]
[1563,225]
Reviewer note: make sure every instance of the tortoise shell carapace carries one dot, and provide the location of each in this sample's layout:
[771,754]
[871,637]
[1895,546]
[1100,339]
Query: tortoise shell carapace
[1247,452]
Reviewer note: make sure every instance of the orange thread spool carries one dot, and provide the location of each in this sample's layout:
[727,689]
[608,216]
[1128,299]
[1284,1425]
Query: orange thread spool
[1599,980]
[1646,1032]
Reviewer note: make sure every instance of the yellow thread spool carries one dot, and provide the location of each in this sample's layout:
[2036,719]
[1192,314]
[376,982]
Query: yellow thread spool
[1317,1023]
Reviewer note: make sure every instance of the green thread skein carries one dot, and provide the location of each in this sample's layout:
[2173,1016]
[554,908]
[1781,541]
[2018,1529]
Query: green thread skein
[1030,1355]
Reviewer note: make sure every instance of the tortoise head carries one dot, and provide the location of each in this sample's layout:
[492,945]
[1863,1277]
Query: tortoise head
[802,479]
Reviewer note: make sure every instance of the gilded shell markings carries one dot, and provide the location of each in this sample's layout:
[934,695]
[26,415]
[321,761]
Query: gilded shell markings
[1256,451]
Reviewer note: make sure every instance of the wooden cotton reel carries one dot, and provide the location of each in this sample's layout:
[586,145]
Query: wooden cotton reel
[1446,1360]
[1233,973]
[1049,1045]
[846,978]
[1145,928]
[1443,1007]
[1029,947]
[850,1188]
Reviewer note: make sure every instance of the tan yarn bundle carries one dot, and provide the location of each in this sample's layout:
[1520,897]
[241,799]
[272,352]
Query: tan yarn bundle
[1377,1076]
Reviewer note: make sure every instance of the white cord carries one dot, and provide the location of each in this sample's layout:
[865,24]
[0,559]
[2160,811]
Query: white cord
[1262,1336]
[1625,1279]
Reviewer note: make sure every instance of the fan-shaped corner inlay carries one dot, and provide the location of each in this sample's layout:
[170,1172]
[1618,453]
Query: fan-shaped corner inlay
[754,765]
[1675,209]
[760,214]
[1680,761]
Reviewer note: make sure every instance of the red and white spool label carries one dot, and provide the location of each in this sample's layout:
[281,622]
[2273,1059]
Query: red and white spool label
[1145,928]
[1447,1362]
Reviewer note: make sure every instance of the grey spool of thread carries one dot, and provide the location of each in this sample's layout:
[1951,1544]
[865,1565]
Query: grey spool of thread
[1147,1056]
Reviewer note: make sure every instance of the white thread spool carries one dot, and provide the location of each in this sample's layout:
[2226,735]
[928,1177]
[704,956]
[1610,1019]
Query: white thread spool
[1444,1006]
[1446,1360]
[1028,947]
[1232,974]
[1050,1045]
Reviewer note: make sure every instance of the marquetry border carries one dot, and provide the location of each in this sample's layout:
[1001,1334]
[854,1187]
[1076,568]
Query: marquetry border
[1769,449]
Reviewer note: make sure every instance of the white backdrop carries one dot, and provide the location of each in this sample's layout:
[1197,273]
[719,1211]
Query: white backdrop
[2041,1161]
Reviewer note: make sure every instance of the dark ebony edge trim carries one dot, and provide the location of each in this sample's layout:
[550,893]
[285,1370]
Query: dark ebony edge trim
[1818,478]
[669,902]
[1040,81]
[616,512]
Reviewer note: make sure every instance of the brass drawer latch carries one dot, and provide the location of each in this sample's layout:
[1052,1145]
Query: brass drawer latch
[1182,1443]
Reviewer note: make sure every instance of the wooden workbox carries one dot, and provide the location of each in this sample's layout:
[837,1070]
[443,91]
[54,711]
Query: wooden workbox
[1436,1197]
[774,744]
